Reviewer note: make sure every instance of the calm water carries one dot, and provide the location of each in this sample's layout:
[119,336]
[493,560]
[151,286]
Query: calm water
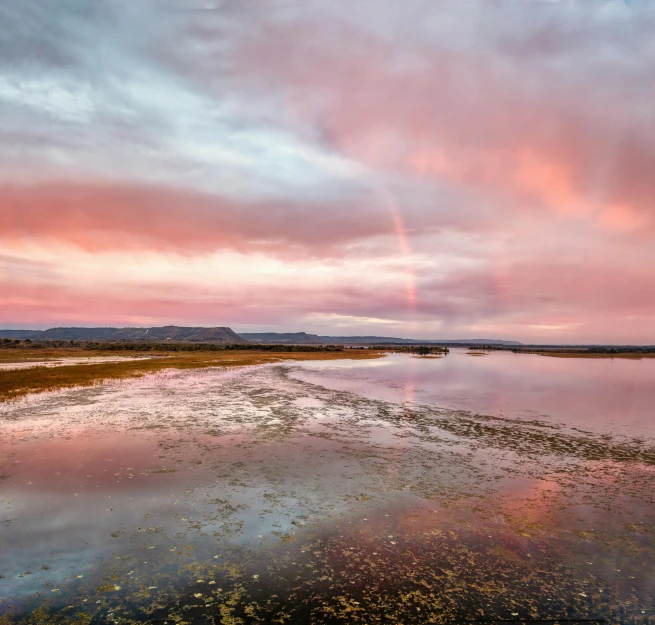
[606,394]
[401,490]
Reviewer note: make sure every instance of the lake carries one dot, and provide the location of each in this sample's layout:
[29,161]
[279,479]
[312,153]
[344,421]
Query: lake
[402,489]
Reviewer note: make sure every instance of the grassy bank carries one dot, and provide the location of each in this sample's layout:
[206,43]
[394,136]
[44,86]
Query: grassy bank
[573,354]
[629,352]
[17,383]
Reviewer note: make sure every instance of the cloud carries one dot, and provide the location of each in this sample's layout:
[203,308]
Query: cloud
[501,116]
[106,216]
[459,167]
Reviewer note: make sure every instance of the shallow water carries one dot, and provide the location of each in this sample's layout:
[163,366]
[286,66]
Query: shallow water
[394,490]
[603,394]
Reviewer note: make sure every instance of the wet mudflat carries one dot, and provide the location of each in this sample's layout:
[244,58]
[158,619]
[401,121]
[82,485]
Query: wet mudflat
[393,490]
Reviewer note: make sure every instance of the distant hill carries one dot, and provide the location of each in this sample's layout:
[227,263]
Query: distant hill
[226,336]
[291,338]
[391,340]
[18,334]
[302,338]
[172,333]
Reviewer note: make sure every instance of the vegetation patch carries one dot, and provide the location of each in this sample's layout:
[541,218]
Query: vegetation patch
[17,383]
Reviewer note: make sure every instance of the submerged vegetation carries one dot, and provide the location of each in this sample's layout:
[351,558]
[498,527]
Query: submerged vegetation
[264,498]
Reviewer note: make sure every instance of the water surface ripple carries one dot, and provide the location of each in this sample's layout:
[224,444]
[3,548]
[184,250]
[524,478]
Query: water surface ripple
[395,490]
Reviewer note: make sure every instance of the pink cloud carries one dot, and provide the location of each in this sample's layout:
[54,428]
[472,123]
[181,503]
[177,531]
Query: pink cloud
[104,216]
[523,139]
[542,300]
[562,142]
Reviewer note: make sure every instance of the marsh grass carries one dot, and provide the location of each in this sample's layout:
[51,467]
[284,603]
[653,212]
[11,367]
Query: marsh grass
[44,354]
[19,382]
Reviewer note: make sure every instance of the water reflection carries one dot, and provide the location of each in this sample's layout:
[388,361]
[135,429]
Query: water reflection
[271,491]
[613,394]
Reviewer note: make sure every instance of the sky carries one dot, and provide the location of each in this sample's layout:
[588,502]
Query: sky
[427,169]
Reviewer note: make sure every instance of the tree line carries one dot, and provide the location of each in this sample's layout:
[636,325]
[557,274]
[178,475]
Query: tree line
[168,346]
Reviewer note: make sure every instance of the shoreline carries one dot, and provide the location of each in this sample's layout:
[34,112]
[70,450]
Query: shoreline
[624,355]
[17,383]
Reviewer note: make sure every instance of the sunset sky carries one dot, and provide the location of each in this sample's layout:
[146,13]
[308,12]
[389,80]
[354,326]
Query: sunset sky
[426,169]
